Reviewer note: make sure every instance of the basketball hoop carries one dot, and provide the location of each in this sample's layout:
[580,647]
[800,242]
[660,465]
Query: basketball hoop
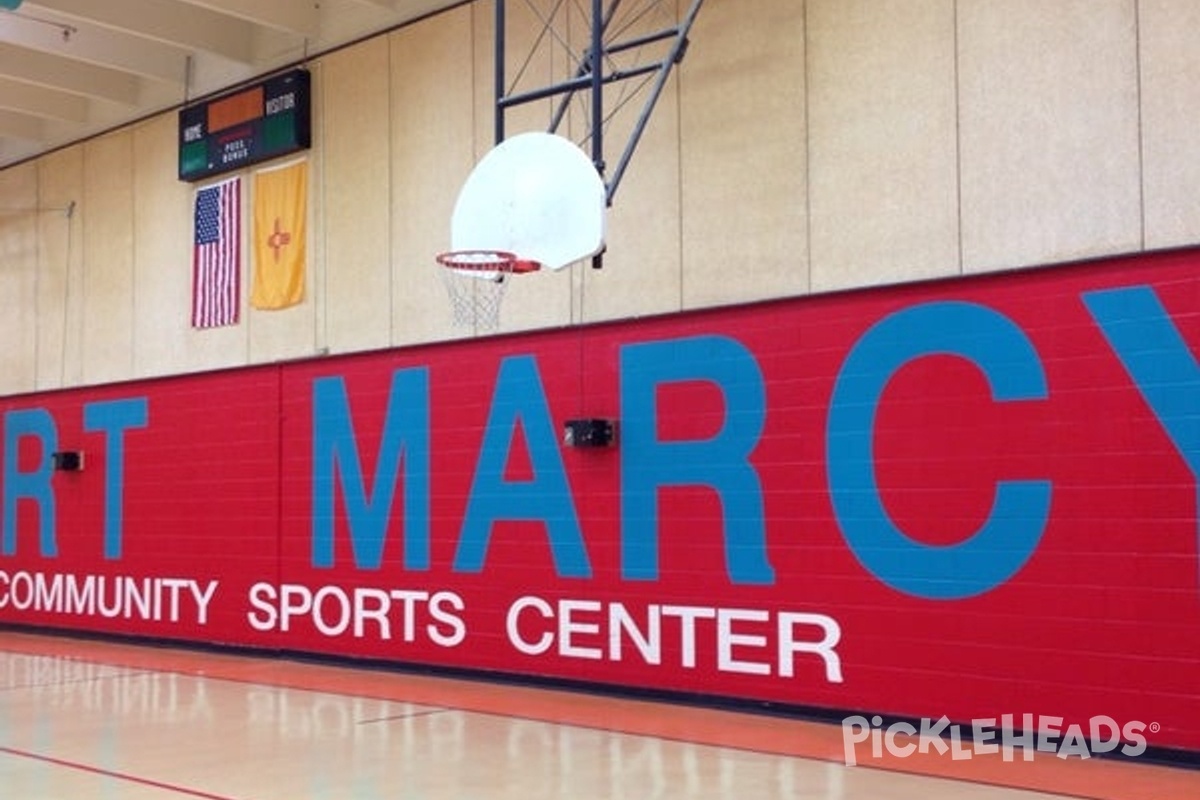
[475,280]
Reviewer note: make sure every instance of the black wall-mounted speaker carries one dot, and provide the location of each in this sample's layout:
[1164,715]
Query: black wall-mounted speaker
[67,460]
[589,433]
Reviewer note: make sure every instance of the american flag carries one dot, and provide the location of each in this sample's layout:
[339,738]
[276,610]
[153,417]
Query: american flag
[217,258]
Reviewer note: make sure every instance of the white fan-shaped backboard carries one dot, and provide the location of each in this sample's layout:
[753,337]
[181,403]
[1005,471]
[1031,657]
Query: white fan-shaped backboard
[536,195]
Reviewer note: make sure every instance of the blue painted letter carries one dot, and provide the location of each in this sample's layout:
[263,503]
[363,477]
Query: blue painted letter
[34,485]
[520,399]
[721,463]
[335,452]
[1021,508]
[1141,333]
[114,418]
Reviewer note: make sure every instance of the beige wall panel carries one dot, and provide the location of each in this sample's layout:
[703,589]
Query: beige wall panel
[164,342]
[60,270]
[538,300]
[107,211]
[18,278]
[294,332]
[357,247]
[743,153]
[882,169]
[481,37]
[642,272]
[1049,130]
[1169,30]
[433,150]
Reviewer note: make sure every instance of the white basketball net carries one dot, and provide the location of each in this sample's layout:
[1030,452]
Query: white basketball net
[475,298]
[476,292]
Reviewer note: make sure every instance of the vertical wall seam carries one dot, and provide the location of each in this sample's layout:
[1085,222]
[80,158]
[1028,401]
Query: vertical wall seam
[321,303]
[66,301]
[81,317]
[473,32]
[133,256]
[958,163]
[391,196]
[1141,130]
[680,239]
[246,208]
[805,84]
[37,275]
[280,430]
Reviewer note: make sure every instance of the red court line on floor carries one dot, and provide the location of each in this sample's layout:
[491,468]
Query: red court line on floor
[121,776]
[1096,778]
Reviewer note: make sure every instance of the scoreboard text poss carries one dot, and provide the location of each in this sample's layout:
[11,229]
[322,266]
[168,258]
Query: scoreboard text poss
[246,127]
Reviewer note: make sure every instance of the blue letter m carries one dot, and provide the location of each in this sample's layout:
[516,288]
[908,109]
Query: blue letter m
[335,453]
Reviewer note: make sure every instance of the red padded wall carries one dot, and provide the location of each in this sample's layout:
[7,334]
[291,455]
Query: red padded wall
[219,488]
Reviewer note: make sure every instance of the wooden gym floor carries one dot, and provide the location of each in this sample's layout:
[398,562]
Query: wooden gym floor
[82,718]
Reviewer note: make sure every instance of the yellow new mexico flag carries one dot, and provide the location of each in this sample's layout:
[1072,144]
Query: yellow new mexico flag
[280,217]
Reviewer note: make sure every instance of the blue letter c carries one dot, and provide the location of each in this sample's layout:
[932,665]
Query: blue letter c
[1020,511]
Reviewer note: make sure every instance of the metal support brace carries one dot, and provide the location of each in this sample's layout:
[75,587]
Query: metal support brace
[590,76]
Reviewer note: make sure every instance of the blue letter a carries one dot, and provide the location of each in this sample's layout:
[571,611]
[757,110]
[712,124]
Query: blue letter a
[521,400]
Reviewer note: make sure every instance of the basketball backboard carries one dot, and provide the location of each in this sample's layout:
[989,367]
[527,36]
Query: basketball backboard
[536,195]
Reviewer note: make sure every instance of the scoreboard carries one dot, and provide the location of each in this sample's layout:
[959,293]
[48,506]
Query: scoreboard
[245,127]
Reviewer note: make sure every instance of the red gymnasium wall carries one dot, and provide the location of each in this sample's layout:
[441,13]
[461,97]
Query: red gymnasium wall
[972,498]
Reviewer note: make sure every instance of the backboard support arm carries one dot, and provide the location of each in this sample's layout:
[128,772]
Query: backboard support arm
[591,76]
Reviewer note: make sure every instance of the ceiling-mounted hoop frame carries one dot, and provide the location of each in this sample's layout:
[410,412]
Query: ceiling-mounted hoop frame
[590,77]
